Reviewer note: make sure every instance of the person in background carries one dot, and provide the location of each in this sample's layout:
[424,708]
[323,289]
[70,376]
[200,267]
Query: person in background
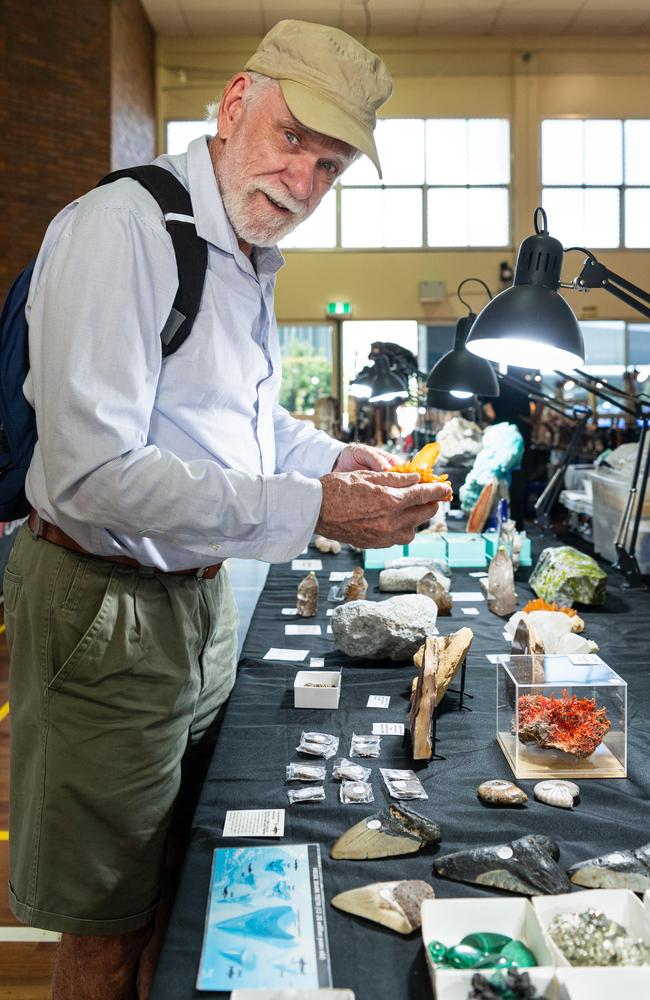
[512,406]
[146,476]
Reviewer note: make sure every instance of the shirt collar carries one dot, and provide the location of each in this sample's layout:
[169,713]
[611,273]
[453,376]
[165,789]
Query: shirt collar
[210,217]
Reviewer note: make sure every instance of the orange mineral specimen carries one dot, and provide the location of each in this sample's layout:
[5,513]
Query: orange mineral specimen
[572,724]
[423,464]
[540,605]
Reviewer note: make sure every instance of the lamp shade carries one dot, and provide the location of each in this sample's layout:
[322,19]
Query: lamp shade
[460,371]
[530,325]
[361,386]
[387,387]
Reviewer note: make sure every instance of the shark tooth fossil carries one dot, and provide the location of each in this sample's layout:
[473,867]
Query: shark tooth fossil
[527,865]
[393,904]
[395,830]
[555,792]
[617,870]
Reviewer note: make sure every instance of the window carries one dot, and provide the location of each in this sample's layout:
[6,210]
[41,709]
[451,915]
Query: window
[596,181]
[445,184]
[306,366]
[180,134]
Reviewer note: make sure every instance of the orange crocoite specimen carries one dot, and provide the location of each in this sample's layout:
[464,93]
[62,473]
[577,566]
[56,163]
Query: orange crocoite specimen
[423,464]
[572,724]
[540,605]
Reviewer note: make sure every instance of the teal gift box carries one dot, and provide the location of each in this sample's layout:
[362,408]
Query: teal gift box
[427,546]
[377,558]
[465,549]
[492,544]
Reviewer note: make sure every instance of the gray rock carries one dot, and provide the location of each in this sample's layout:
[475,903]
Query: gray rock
[405,579]
[395,628]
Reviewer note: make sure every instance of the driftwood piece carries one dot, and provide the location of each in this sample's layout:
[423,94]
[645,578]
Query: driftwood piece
[424,702]
[452,650]
[481,510]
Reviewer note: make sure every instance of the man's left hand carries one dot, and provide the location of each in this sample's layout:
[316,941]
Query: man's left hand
[357,457]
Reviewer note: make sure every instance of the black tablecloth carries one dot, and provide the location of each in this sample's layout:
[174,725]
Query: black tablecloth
[261,730]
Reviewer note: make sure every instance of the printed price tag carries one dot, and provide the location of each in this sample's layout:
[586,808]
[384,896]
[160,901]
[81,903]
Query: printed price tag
[306,564]
[584,659]
[293,655]
[388,729]
[497,657]
[289,611]
[467,595]
[378,701]
[302,630]
[470,611]
[479,574]
[317,661]
[330,612]
[254,823]
[336,576]
[329,630]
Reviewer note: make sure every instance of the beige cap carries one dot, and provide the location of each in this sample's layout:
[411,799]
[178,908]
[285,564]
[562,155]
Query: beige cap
[331,83]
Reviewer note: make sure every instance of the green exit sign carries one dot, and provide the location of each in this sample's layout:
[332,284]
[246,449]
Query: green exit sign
[341,309]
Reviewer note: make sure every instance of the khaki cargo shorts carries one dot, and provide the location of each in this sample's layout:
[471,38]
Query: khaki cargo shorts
[117,675]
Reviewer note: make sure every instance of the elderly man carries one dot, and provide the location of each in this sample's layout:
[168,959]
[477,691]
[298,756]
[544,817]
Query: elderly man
[121,655]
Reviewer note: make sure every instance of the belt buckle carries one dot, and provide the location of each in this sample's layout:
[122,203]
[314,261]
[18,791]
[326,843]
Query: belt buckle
[200,572]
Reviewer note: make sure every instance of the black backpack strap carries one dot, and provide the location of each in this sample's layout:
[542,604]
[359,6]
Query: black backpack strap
[190,249]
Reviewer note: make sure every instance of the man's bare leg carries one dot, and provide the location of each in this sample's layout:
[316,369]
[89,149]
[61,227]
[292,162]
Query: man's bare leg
[98,967]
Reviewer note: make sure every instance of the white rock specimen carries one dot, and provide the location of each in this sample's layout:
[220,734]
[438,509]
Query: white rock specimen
[404,578]
[395,628]
[327,544]
[555,629]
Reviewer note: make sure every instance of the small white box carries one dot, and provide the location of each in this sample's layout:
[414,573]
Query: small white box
[449,920]
[620,905]
[605,982]
[317,689]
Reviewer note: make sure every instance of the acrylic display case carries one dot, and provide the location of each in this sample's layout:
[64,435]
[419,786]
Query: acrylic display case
[562,716]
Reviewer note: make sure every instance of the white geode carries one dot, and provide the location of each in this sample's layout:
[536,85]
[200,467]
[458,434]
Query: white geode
[393,629]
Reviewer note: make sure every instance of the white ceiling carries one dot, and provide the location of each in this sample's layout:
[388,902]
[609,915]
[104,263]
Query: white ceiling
[405,17]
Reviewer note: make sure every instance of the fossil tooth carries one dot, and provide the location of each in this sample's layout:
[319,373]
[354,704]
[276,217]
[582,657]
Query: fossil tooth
[396,830]
[393,904]
[501,793]
[555,792]
[527,865]
[617,870]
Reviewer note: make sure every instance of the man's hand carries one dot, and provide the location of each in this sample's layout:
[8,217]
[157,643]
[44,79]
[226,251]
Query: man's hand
[358,457]
[376,509]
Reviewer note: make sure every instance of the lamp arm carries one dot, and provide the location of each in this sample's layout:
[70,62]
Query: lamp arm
[601,394]
[566,410]
[596,275]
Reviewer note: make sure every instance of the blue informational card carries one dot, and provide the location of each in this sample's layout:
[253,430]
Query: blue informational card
[265,923]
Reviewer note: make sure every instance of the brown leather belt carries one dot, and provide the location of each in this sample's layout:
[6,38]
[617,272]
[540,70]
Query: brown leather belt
[50,532]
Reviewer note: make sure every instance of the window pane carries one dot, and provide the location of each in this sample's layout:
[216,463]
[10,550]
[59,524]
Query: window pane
[447,151]
[587,217]
[639,343]
[489,151]
[458,217]
[181,133]
[637,217]
[604,343]
[306,366]
[637,161]
[384,218]
[603,152]
[562,152]
[319,230]
[400,144]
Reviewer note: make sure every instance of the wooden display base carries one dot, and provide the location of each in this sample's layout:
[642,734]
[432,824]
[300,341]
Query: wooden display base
[537,763]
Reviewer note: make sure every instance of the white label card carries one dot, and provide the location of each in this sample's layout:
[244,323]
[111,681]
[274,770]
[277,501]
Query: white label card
[388,729]
[330,612]
[329,630]
[378,701]
[337,575]
[302,630]
[306,564]
[467,595]
[584,659]
[289,611]
[470,611]
[317,661]
[497,657]
[293,655]
[254,823]
[478,574]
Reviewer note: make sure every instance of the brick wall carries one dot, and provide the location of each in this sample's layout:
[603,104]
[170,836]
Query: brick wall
[55,105]
[133,138]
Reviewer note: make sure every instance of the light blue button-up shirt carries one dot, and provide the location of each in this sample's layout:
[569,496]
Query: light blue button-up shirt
[176,463]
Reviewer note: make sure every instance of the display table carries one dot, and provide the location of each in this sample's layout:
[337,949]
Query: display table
[261,729]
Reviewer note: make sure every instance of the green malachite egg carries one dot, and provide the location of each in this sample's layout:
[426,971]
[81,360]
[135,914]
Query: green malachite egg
[463,956]
[495,960]
[486,941]
[437,951]
[521,956]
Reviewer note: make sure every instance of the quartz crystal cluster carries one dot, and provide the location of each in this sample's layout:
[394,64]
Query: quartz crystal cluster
[591,938]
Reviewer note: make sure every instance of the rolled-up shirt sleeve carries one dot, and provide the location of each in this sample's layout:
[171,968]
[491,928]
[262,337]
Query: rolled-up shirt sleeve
[96,312]
[300,447]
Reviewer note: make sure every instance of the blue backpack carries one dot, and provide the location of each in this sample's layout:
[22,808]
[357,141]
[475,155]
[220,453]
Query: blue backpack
[18,431]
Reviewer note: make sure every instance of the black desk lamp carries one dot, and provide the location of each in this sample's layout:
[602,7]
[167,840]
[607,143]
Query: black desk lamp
[458,372]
